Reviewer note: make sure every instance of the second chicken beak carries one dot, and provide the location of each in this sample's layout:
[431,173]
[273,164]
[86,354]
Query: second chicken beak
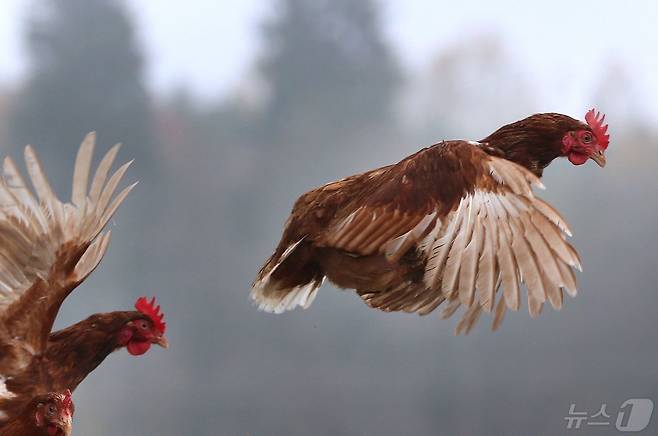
[161,341]
[598,157]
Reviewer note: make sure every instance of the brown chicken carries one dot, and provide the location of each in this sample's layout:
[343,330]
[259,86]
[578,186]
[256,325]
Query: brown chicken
[46,415]
[48,248]
[454,222]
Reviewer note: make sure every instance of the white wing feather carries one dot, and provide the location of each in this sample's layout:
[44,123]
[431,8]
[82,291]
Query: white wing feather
[505,236]
[33,231]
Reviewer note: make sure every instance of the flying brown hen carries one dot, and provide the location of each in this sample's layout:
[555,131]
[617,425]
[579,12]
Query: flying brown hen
[451,223]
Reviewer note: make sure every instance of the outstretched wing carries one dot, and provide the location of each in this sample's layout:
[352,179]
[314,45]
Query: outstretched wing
[48,247]
[475,223]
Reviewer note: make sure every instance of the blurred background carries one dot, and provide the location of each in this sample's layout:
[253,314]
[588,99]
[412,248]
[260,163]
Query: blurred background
[233,110]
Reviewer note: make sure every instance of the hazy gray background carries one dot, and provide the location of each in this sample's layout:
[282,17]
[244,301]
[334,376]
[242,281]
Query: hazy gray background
[233,110]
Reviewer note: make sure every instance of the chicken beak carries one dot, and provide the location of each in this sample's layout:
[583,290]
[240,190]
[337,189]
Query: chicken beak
[598,157]
[161,341]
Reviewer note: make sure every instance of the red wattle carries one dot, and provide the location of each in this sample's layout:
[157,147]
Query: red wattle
[52,429]
[137,348]
[578,158]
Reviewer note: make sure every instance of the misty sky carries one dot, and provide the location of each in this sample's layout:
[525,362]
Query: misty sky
[176,37]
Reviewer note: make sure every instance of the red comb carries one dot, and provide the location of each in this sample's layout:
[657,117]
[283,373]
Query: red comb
[595,121]
[150,309]
[68,401]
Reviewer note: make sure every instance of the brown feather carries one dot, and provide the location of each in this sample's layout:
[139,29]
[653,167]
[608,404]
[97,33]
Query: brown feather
[456,216]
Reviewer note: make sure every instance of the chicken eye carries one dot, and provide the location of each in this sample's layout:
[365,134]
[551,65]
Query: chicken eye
[143,325]
[51,409]
[587,138]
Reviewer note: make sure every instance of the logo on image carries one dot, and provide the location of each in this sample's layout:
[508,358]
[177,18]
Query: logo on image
[632,416]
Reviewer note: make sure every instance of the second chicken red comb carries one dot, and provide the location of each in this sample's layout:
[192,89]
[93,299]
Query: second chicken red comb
[152,310]
[595,121]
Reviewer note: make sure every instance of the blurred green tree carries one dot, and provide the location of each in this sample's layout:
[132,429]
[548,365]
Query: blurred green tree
[86,74]
[328,69]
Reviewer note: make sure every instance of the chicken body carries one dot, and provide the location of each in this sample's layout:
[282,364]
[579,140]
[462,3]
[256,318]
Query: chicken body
[454,222]
[71,355]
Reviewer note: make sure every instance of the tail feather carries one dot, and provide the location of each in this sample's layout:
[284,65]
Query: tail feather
[274,300]
[287,281]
